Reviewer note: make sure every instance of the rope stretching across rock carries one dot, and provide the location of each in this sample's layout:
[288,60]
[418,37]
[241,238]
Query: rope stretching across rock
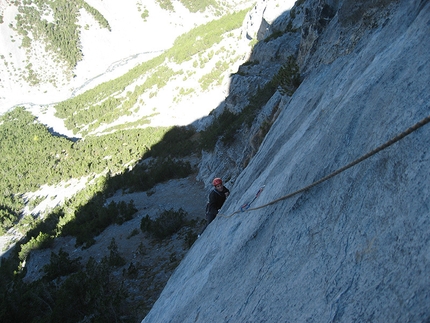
[340,170]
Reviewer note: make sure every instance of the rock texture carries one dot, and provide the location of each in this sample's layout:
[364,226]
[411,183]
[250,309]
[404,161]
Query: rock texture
[355,248]
[263,63]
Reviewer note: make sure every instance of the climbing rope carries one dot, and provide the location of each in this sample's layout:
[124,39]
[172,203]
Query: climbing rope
[340,170]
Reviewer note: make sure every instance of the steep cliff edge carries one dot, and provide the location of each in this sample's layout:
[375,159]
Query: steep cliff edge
[356,247]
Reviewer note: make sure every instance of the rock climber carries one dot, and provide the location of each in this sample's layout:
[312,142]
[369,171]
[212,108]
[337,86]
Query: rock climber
[217,197]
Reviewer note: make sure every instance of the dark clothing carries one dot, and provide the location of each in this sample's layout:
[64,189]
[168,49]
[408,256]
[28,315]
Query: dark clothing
[216,201]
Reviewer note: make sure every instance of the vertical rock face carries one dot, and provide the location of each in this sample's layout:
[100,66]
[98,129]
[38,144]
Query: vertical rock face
[355,248]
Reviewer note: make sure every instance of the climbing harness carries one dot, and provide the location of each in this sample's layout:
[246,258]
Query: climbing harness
[337,172]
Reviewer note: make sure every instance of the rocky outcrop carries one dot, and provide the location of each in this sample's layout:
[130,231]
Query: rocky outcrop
[356,247]
[334,28]
[264,62]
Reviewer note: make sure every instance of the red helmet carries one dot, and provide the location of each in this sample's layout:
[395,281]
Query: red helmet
[217,181]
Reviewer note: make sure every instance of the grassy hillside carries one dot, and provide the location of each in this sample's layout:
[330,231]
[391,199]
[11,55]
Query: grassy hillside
[55,28]
[32,156]
[131,157]
[126,95]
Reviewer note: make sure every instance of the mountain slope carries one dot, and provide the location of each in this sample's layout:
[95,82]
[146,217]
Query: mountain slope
[354,248]
[50,51]
[139,268]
